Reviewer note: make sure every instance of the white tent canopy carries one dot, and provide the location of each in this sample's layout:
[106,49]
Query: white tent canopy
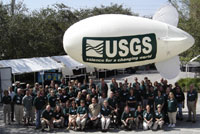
[68,62]
[28,65]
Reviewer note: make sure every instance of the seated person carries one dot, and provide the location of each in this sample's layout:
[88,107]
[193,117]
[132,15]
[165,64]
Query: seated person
[148,118]
[94,113]
[138,117]
[159,118]
[82,114]
[66,113]
[105,116]
[47,118]
[58,120]
[72,116]
[127,119]
[113,105]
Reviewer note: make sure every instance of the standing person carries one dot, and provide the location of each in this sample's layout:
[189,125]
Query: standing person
[151,97]
[18,106]
[102,87]
[39,104]
[72,116]
[47,118]
[94,113]
[131,100]
[138,117]
[113,104]
[172,108]
[159,118]
[27,103]
[180,97]
[114,85]
[127,119]
[52,99]
[192,97]
[159,99]
[82,113]
[105,116]
[6,100]
[66,113]
[148,118]
[12,94]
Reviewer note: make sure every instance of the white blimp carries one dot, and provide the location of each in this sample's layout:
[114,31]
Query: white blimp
[113,41]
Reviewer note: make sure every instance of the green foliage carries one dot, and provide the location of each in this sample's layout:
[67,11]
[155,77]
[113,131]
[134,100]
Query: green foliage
[40,33]
[189,13]
[186,82]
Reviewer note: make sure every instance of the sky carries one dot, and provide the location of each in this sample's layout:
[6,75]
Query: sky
[142,7]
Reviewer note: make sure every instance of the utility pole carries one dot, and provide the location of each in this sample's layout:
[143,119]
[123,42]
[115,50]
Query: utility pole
[12,7]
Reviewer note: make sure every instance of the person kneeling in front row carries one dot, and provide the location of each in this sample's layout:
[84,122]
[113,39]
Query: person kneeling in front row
[105,116]
[159,118]
[148,118]
[82,114]
[47,118]
[138,117]
[127,119]
[58,120]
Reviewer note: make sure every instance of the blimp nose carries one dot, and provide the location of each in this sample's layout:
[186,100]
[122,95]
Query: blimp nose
[178,40]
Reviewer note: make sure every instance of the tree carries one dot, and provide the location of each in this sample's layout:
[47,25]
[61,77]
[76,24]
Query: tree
[189,12]
[40,33]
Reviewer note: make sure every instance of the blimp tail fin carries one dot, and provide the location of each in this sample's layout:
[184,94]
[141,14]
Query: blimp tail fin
[167,14]
[170,68]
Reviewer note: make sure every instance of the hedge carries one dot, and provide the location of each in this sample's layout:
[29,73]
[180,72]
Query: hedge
[186,82]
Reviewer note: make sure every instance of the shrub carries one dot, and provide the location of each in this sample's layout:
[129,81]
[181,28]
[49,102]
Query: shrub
[186,82]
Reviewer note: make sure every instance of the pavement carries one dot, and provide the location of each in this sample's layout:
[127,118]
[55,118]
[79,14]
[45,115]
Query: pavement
[182,127]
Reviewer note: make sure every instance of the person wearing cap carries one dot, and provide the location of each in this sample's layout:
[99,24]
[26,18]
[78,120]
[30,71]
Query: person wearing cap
[192,97]
[138,116]
[159,118]
[6,100]
[18,106]
[47,118]
[127,119]
[82,114]
[105,116]
[148,118]
[17,85]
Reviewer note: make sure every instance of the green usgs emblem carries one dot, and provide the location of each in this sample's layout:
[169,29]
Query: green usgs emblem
[119,49]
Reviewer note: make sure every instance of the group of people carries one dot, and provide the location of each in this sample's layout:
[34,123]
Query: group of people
[74,105]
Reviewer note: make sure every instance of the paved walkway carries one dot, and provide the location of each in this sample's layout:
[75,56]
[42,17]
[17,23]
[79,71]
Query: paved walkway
[182,127]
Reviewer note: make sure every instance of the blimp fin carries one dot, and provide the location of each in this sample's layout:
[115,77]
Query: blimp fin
[167,14]
[169,69]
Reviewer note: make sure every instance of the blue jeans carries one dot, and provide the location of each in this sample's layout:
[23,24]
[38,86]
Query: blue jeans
[38,115]
[180,114]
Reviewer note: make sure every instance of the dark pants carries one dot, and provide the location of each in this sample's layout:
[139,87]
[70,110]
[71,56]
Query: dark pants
[94,123]
[38,116]
[12,111]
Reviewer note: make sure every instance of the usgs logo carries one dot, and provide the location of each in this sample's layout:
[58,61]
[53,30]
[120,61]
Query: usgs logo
[119,49]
